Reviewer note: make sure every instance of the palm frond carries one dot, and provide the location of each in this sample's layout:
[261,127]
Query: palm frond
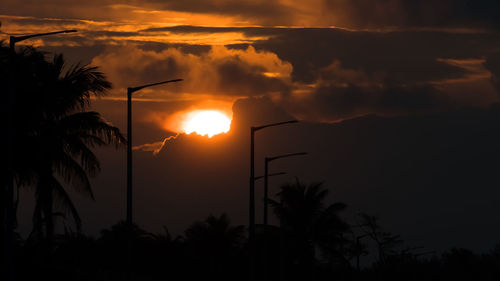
[74,174]
[91,123]
[64,202]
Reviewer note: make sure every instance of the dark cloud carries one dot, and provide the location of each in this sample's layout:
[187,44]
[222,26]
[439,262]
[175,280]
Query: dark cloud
[419,13]
[389,73]
[405,56]
[50,9]
[241,79]
[51,22]
[357,14]
[256,111]
[185,48]
[250,31]
[339,73]
[335,103]
[349,73]
[262,11]
[493,65]
[341,93]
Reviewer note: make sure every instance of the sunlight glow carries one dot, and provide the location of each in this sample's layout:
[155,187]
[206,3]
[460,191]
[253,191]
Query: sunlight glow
[207,122]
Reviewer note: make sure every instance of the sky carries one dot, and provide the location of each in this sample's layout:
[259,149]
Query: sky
[396,101]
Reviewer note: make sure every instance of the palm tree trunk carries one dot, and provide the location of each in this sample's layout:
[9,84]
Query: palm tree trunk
[3,206]
[48,216]
[45,201]
[312,262]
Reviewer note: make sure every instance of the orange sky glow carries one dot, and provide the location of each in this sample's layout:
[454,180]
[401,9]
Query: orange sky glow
[220,60]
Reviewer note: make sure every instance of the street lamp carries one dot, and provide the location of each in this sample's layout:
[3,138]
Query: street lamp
[266,164]
[14,39]
[264,277]
[130,91]
[10,169]
[266,175]
[271,175]
[251,226]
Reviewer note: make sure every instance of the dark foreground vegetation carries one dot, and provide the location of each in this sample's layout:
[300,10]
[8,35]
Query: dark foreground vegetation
[313,243]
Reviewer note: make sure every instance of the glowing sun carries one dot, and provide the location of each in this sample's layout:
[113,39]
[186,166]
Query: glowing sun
[207,122]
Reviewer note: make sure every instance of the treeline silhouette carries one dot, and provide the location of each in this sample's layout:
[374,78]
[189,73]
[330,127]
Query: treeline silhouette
[313,242]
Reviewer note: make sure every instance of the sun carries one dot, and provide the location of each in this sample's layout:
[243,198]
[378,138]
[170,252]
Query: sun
[206,122]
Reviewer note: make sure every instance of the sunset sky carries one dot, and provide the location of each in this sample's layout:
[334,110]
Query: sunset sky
[260,61]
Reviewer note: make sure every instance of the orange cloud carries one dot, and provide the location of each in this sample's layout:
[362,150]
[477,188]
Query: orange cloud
[221,72]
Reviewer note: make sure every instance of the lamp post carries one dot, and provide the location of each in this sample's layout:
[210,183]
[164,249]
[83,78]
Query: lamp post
[251,226]
[266,175]
[9,204]
[271,175]
[130,91]
[266,165]
[14,39]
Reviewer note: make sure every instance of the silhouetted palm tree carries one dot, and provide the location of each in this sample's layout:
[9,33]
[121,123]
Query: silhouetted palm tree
[214,243]
[54,134]
[165,237]
[308,223]
[215,232]
[65,151]
[118,233]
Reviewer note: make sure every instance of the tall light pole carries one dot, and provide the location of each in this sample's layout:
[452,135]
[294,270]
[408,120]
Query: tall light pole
[9,204]
[130,91]
[264,277]
[266,165]
[271,175]
[266,175]
[14,39]
[251,215]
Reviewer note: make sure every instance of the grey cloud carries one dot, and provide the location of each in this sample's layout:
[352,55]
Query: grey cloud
[239,78]
[329,103]
[406,56]
[255,31]
[387,73]
[263,11]
[52,22]
[185,48]
[493,65]
[373,14]
[399,67]
[416,13]
[89,10]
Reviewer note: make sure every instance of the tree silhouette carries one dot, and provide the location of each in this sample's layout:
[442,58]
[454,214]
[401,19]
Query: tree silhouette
[309,224]
[385,241]
[65,152]
[214,244]
[53,133]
